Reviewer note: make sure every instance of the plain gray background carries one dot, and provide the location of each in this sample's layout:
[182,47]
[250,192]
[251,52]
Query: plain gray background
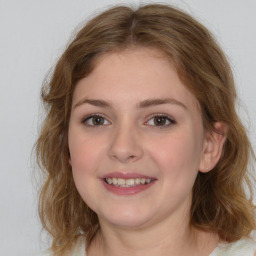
[33,33]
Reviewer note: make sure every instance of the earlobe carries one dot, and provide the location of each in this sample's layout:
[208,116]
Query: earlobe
[213,145]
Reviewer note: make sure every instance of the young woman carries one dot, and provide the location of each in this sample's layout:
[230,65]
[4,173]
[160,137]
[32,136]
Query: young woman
[143,150]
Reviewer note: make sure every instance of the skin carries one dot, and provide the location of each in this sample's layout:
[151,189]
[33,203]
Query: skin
[129,139]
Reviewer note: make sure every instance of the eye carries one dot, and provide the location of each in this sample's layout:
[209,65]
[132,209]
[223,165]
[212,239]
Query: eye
[95,120]
[161,121]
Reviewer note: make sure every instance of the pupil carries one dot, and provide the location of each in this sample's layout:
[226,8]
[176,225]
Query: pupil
[160,121]
[98,120]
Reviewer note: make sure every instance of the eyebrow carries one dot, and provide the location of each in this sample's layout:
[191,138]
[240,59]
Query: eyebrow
[154,102]
[97,103]
[142,104]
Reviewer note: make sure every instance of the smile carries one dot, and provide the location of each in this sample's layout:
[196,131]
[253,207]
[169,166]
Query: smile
[119,182]
[122,184]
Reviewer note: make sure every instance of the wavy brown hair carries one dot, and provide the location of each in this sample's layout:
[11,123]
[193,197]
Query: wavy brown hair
[219,200]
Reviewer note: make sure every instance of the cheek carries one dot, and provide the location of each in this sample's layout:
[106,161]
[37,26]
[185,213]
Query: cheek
[85,152]
[176,154]
[85,155]
[176,158]
[84,159]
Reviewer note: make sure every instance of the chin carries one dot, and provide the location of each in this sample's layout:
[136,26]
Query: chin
[126,219]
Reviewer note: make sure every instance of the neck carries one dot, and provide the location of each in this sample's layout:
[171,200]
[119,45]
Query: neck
[178,239]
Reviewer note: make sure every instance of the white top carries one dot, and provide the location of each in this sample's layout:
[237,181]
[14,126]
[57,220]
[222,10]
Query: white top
[243,247]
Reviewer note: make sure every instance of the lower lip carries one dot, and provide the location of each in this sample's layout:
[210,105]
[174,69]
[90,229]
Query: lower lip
[123,191]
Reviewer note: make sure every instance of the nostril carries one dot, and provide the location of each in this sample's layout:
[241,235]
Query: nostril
[124,157]
[125,146]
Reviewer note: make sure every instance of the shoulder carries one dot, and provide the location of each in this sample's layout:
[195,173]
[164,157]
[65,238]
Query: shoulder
[242,247]
[77,250]
[45,253]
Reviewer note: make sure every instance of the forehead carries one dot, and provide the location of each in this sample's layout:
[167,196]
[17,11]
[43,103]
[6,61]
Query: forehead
[134,74]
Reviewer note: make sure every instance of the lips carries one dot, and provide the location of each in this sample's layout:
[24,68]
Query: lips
[127,183]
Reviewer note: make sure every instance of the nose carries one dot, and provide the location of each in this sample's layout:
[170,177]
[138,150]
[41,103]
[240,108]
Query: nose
[126,145]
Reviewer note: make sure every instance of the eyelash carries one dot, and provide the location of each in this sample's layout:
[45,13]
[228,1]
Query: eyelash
[90,117]
[167,118]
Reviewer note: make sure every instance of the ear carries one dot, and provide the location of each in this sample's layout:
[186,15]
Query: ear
[213,145]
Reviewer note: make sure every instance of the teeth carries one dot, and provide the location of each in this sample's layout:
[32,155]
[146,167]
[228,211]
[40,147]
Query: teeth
[109,181]
[120,182]
[127,182]
[130,182]
[137,181]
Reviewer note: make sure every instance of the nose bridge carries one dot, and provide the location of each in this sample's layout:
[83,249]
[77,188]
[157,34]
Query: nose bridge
[126,143]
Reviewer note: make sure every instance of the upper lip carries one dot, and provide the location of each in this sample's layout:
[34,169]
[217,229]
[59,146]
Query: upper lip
[126,175]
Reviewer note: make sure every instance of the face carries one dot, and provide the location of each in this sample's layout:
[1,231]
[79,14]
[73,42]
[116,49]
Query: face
[136,140]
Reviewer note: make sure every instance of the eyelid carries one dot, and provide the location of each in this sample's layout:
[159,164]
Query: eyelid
[169,118]
[87,117]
